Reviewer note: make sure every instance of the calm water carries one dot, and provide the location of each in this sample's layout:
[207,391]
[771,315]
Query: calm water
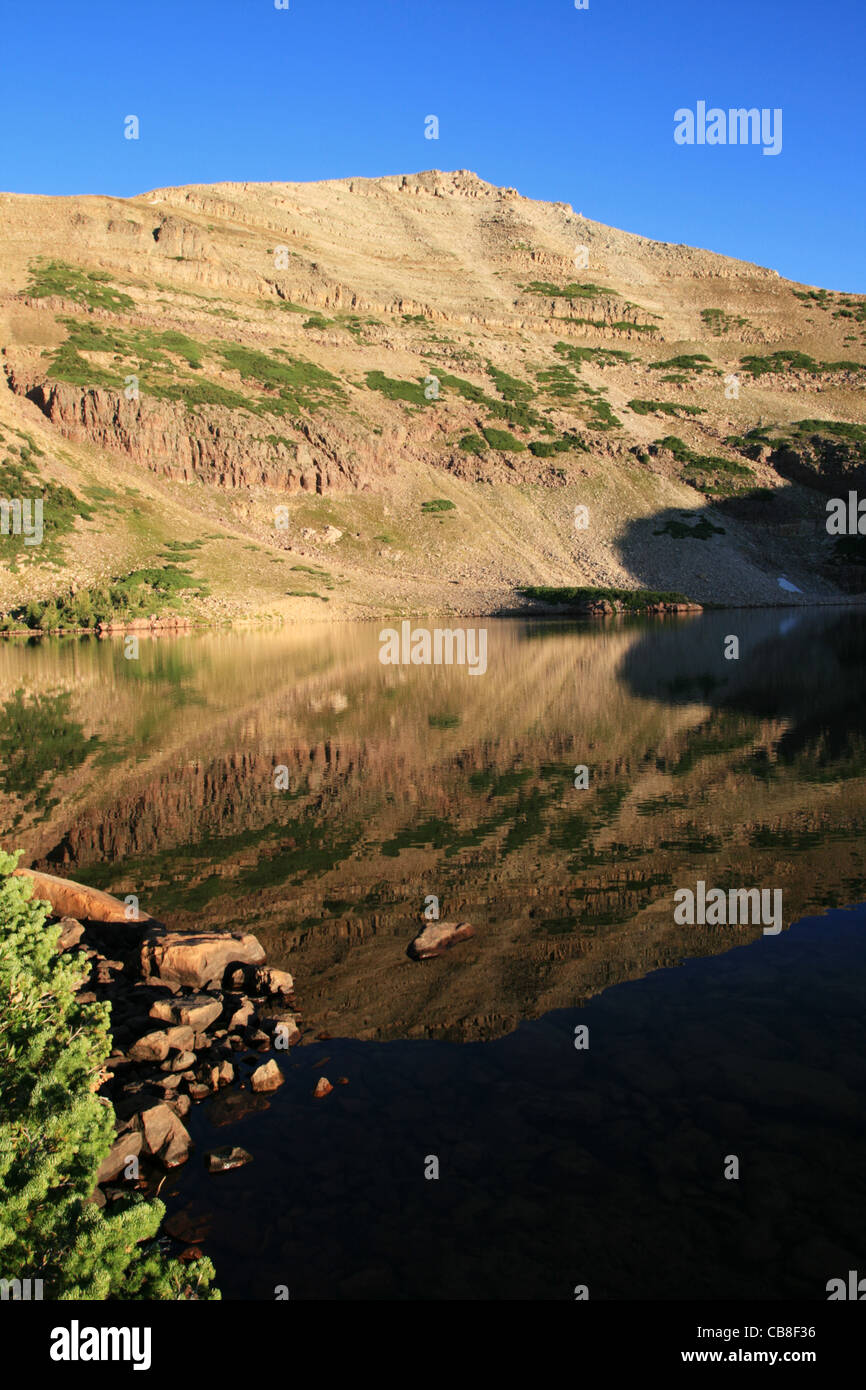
[557,1166]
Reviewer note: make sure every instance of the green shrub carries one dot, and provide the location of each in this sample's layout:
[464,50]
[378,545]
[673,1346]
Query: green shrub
[602,357]
[473,444]
[545,449]
[510,387]
[438,504]
[56,1131]
[502,440]
[718,322]
[687,362]
[664,408]
[788,360]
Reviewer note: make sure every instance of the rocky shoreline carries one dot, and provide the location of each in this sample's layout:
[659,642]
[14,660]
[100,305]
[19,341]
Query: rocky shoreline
[192,1014]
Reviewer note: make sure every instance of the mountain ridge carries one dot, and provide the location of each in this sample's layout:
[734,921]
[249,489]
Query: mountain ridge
[354,350]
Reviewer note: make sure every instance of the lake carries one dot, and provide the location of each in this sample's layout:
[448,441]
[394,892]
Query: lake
[287,782]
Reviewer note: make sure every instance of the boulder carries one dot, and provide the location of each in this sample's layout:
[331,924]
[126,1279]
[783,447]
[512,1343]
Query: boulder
[197,1011]
[125,1147]
[70,899]
[323,1088]
[71,933]
[165,1135]
[281,1025]
[196,960]
[153,1047]
[267,1077]
[181,1037]
[242,1015]
[439,937]
[183,1061]
[270,981]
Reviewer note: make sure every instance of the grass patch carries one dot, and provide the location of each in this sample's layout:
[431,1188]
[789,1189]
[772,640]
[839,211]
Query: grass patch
[545,449]
[515,413]
[664,408]
[91,288]
[601,357]
[719,323]
[503,441]
[702,471]
[509,387]
[687,362]
[438,504]
[396,390]
[570,291]
[21,482]
[158,359]
[788,360]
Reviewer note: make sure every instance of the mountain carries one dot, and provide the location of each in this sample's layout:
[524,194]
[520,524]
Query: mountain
[365,397]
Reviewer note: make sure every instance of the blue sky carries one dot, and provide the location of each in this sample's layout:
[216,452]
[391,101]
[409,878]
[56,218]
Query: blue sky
[567,105]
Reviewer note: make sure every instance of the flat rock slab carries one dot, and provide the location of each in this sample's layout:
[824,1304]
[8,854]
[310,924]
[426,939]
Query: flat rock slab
[70,899]
[196,960]
[199,1011]
[439,937]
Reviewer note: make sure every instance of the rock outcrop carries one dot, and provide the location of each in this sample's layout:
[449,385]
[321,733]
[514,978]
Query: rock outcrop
[185,1012]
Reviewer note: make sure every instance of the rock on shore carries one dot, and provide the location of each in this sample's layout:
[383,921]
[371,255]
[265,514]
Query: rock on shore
[190,1014]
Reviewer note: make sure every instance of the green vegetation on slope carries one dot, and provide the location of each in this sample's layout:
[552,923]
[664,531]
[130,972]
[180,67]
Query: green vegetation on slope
[90,288]
[21,483]
[141,594]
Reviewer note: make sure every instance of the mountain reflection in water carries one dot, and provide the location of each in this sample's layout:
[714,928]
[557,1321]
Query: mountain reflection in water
[558,1167]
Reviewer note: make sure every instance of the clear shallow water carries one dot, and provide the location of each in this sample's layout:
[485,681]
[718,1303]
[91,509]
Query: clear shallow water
[557,1167]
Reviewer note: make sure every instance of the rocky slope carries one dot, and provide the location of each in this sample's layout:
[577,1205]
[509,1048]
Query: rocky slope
[268,386]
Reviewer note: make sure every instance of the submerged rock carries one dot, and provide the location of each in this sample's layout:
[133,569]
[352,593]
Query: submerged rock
[223,1160]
